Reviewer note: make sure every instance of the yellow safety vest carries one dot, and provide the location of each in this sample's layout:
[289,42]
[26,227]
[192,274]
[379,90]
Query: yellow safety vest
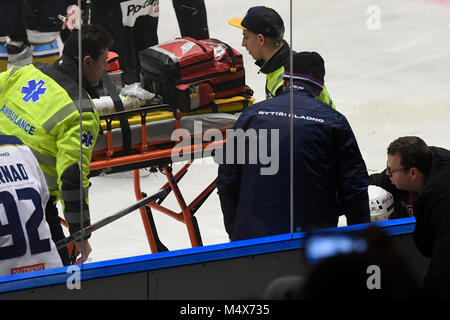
[275,81]
[37,109]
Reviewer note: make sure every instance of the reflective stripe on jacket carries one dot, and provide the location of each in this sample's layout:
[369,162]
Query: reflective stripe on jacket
[42,108]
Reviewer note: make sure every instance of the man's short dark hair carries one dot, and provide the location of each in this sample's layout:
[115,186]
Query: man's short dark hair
[94,41]
[413,152]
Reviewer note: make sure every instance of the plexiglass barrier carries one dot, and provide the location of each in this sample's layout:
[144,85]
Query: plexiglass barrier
[386,67]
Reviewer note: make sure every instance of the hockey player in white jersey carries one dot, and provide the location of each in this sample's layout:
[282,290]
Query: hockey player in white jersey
[25,240]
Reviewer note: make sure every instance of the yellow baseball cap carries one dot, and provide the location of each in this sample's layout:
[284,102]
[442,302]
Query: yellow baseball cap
[260,20]
[236,22]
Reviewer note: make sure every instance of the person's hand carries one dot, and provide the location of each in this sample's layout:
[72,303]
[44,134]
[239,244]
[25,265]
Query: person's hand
[72,18]
[86,250]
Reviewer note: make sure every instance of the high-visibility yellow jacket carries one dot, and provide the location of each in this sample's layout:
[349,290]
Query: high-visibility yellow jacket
[274,87]
[274,69]
[42,108]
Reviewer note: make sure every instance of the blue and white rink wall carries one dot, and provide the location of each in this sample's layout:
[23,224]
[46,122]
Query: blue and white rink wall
[235,270]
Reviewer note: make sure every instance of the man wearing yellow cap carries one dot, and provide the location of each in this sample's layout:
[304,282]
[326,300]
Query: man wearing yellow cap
[263,32]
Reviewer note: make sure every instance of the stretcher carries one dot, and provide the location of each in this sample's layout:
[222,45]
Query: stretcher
[160,135]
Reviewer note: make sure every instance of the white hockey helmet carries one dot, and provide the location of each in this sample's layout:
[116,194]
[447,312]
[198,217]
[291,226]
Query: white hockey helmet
[381,203]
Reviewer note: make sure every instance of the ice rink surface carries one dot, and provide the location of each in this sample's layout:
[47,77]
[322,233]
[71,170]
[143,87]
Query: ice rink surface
[387,69]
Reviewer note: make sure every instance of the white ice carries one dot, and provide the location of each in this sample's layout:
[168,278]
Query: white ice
[387,69]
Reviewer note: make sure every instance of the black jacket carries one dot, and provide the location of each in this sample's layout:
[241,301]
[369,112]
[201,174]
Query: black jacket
[432,232]
[277,61]
[440,160]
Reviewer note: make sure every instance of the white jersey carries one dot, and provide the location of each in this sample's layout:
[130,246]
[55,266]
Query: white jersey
[133,9]
[25,239]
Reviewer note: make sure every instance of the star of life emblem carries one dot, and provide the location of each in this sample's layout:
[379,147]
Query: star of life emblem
[87,139]
[33,91]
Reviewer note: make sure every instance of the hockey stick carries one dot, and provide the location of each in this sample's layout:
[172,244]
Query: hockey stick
[88,230]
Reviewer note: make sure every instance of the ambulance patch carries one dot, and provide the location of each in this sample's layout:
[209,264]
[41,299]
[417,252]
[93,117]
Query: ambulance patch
[33,91]
[87,139]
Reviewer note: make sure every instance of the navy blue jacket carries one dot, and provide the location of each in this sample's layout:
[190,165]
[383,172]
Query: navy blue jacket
[329,174]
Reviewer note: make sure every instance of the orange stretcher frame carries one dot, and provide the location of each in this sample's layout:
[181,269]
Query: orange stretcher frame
[146,154]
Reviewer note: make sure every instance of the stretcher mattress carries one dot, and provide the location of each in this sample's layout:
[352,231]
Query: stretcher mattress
[161,124]
[162,130]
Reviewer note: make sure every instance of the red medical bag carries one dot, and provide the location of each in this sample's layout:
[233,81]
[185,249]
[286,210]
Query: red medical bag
[191,74]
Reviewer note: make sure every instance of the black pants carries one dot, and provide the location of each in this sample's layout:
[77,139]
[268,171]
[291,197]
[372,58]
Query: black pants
[192,19]
[10,15]
[128,41]
[51,214]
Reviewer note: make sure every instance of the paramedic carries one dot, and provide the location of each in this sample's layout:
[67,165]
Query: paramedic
[329,178]
[42,107]
[263,32]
